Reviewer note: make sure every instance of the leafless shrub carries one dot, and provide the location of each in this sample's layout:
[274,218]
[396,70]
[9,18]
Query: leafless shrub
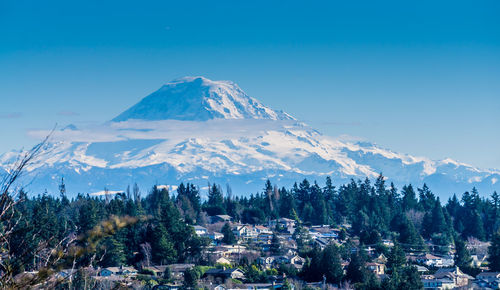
[51,259]
[416,217]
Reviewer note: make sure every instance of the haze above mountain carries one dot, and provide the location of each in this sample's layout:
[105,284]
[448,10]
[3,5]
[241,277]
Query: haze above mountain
[197,130]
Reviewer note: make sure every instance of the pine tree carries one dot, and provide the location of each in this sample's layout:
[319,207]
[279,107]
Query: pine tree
[475,226]
[356,271]
[494,253]
[439,222]
[162,247]
[462,256]
[408,235]
[229,237]
[191,277]
[331,264]
[275,245]
[114,253]
[410,279]
[287,204]
[409,198]
[396,259]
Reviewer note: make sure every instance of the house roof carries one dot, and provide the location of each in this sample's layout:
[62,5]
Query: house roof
[232,270]
[112,269]
[451,272]
[156,268]
[180,267]
[488,274]
[261,227]
[224,216]
[429,257]
[216,271]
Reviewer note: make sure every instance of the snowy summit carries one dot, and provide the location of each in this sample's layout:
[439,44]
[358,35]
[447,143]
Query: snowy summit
[199,99]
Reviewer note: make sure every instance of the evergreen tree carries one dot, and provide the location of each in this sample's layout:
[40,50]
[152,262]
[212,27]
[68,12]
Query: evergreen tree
[275,245]
[331,265]
[439,223]
[287,203]
[215,204]
[408,236]
[475,226]
[409,200]
[494,253]
[229,237]
[462,256]
[114,255]
[162,248]
[426,198]
[406,278]
[191,277]
[356,271]
[396,259]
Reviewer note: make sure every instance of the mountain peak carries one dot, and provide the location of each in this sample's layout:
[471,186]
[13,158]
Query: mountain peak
[196,98]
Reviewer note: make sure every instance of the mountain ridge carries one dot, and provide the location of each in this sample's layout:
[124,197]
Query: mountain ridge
[242,148]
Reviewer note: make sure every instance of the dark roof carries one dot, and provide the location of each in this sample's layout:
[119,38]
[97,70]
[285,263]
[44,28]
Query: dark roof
[488,274]
[221,271]
[213,271]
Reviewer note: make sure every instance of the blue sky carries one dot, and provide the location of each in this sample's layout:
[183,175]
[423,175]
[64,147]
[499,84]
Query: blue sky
[420,77]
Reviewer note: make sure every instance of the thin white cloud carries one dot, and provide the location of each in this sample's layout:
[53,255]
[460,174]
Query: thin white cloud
[10,115]
[67,113]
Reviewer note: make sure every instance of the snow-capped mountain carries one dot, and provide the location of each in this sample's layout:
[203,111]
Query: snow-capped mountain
[199,131]
[199,99]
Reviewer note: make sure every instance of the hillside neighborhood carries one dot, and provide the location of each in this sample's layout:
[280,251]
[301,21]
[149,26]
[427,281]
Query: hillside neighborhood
[273,252]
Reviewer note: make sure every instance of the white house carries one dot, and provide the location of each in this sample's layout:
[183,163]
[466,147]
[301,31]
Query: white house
[200,231]
[430,260]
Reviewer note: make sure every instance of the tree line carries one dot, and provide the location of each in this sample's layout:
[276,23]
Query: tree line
[161,231]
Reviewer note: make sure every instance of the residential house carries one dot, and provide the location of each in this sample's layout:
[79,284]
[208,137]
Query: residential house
[215,236]
[430,260]
[262,230]
[156,270]
[459,278]
[388,243]
[421,269]
[127,271]
[223,274]
[488,280]
[376,268]
[431,283]
[65,273]
[200,231]
[382,259]
[106,272]
[296,261]
[286,222]
[223,260]
[448,261]
[221,218]
[324,232]
[321,243]
[478,260]
[266,262]
[177,270]
[244,232]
